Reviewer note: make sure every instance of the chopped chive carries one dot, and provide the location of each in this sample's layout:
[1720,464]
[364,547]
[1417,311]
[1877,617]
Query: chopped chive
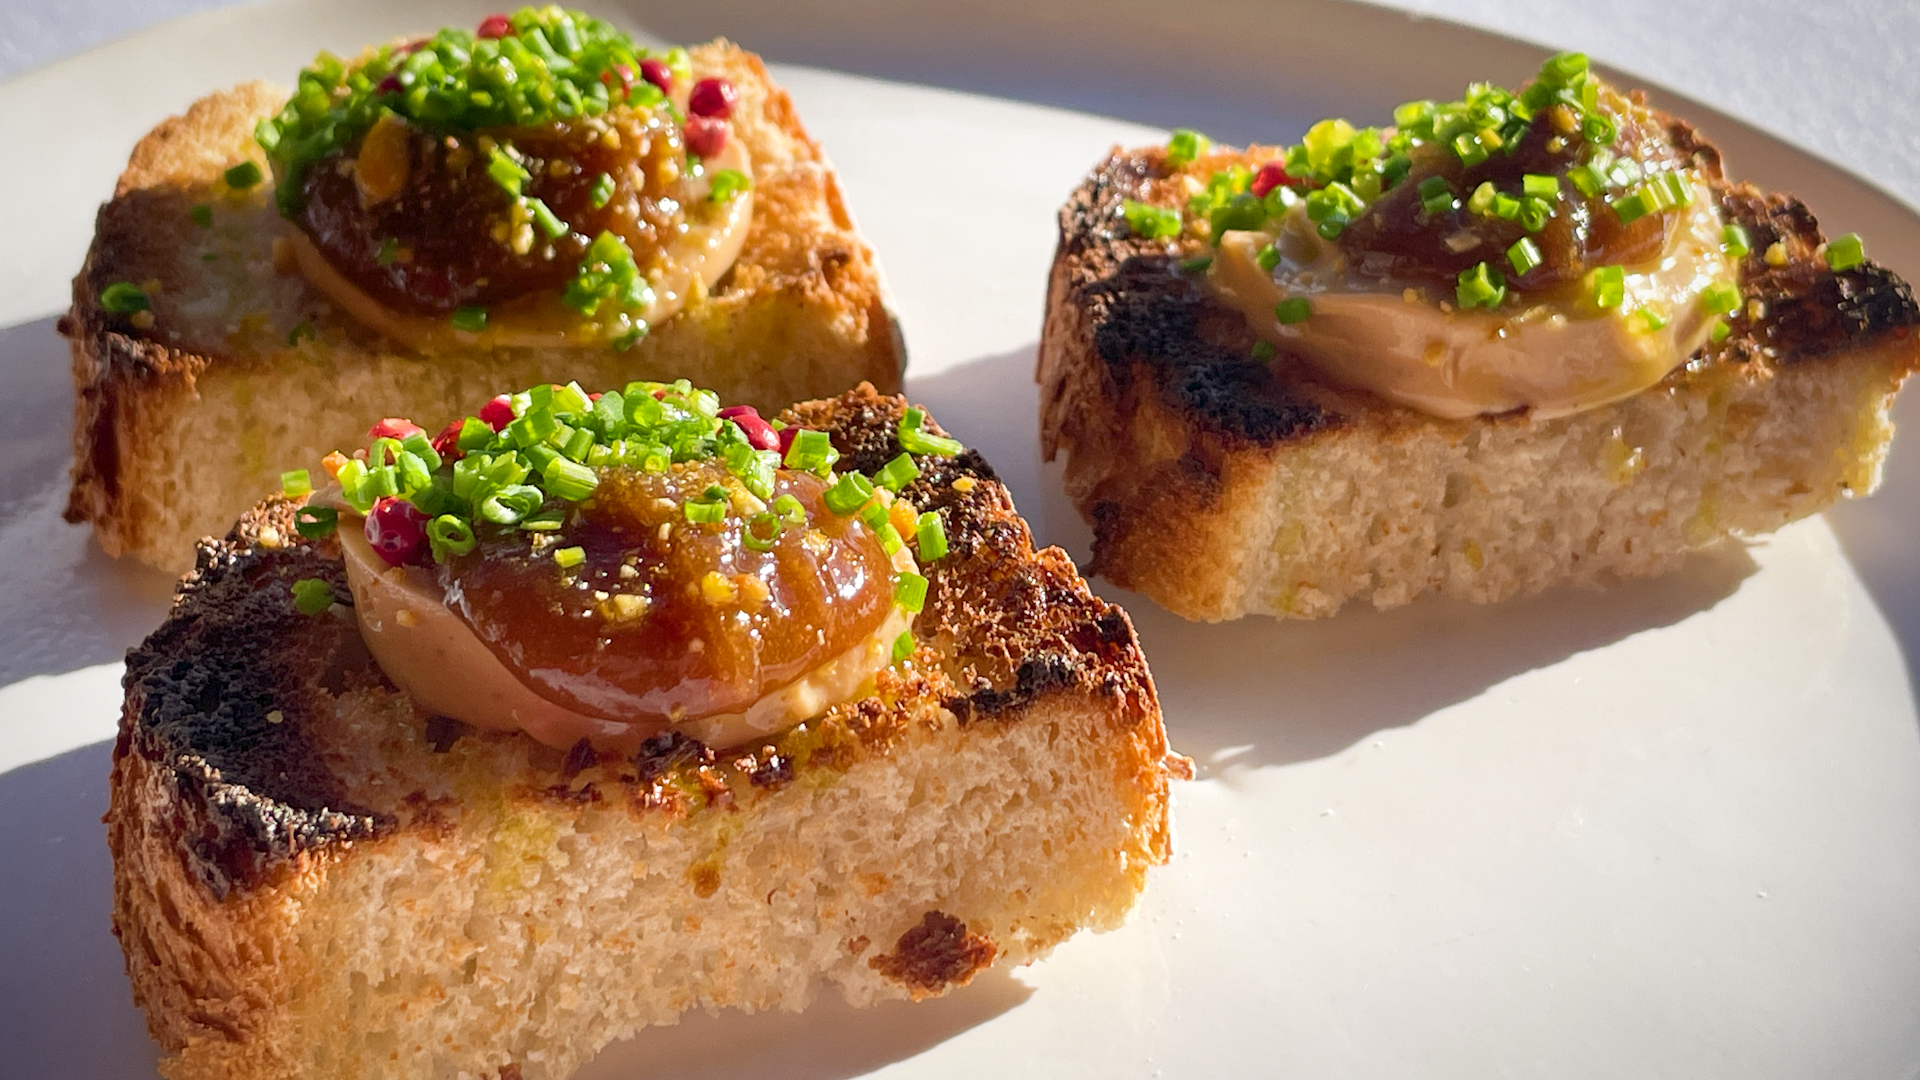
[1436,195]
[569,480]
[124,298]
[1481,201]
[1631,208]
[915,440]
[314,522]
[509,174]
[1733,241]
[1524,255]
[705,509]
[1587,180]
[762,531]
[471,318]
[544,521]
[897,473]
[243,176]
[1268,258]
[1151,222]
[389,251]
[1845,252]
[727,183]
[849,493]
[601,193]
[1539,186]
[910,591]
[790,510]
[1197,264]
[1186,145]
[450,535]
[1607,286]
[1721,331]
[202,214]
[1293,309]
[930,537]
[1720,298]
[903,646]
[311,596]
[1481,286]
[1262,350]
[569,557]
[295,482]
[544,217]
[1651,320]
[812,451]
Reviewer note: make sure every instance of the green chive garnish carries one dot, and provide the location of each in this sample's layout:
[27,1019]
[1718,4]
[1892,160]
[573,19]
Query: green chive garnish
[1845,252]
[471,319]
[1539,186]
[295,483]
[1524,255]
[1199,264]
[1186,145]
[1720,298]
[848,494]
[1292,310]
[509,174]
[790,511]
[762,531]
[903,646]
[1268,258]
[930,537]
[569,480]
[569,557]
[1607,286]
[202,214]
[910,591]
[1733,241]
[548,221]
[727,183]
[1262,350]
[311,596]
[897,473]
[812,451]
[389,251]
[449,535]
[1151,222]
[914,440]
[601,192]
[1481,286]
[1721,331]
[314,522]
[244,175]
[124,298]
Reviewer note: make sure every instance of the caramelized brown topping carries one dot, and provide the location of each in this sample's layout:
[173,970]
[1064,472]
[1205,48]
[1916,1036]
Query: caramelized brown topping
[665,618]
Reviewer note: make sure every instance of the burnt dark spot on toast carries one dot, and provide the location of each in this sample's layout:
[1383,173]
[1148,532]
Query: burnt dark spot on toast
[935,955]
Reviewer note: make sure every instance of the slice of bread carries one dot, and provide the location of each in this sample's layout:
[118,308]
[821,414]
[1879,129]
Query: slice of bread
[313,879]
[183,423]
[1221,486]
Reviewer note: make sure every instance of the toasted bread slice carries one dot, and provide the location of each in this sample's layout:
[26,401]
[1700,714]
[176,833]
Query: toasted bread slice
[183,422]
[312,879]
[1222,486]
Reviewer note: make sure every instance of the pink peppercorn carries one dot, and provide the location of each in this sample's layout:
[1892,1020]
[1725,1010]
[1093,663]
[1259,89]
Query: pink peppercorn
[657,73]
[498,413]
[395,530]
[447,443]
[706,136]
[393,427]
[1271,175]
[711,97]
[495,26]
[760,434]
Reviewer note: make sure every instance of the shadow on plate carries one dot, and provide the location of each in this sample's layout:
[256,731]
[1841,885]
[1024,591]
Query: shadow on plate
[1878,535]
[63,990]
[1266,692]
[831,1040]
[66,604]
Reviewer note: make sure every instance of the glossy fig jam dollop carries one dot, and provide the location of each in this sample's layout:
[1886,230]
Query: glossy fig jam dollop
[415,220]
[664,618]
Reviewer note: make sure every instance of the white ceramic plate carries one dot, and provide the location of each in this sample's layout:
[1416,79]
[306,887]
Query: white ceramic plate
[1668,830]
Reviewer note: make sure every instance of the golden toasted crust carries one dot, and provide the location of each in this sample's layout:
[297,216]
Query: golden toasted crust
[1221,486]
[245,370]
[294,842]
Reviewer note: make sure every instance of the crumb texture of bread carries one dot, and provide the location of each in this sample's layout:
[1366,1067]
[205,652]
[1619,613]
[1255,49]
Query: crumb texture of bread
[245,370]
[312,879]
[1221,486]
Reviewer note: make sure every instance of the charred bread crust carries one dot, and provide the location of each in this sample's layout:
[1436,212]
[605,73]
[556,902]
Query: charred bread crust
[228,784]
[805,285]
[1143,370]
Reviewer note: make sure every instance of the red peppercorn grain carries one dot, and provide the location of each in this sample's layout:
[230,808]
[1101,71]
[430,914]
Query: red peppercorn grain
[498,413]
[393,427]
[760,434]
[712,98]
[657,73]
[1271,175]
[495,26]
[447,443]
[706,136]
[396,530]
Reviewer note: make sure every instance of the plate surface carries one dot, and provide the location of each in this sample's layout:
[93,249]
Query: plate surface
[1672,829]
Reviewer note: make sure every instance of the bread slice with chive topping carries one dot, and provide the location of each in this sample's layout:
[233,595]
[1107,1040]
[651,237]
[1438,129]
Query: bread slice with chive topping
[1221,483]
[237,364]
[314,879]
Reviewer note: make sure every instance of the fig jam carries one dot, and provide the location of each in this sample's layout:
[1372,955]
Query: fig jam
[415,220]
[667,618]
